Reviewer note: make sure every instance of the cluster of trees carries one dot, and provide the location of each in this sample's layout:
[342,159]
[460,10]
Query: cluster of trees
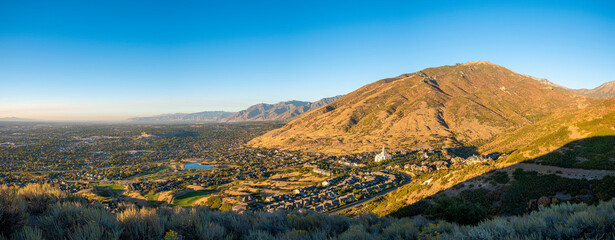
[44,212]
[598,152]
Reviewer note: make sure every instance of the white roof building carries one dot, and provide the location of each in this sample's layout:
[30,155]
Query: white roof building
[382,156]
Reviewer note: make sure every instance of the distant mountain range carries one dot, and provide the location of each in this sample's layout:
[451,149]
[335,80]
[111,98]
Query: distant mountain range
[441,107]
[208,116]
[604,91]
[282,111]
[16,119]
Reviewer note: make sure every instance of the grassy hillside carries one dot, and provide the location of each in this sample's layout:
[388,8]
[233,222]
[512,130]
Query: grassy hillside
[437,107]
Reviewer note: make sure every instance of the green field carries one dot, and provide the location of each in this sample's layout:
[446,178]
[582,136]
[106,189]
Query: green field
[108,189]
[188,198]
[151,196]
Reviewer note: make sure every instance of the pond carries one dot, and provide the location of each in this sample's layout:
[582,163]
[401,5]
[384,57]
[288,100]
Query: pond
[197,166]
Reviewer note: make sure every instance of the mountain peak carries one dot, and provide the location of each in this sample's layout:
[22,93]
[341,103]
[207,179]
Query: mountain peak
[610,84]
[480,62]
[439,107]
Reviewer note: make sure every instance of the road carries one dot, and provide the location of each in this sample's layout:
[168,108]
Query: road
[407,179]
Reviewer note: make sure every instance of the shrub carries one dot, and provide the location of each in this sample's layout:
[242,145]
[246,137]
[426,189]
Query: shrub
[604,189]
[209,230]
[74,220]
[356,232]
[259,235]
[13,213]
[414,209]
[41,196]
[141,224]
[234,223]
[214,202]
[78,221]
[564,221]
[455,209]
[500,177]
[402,229]
[172,235]
[28,233]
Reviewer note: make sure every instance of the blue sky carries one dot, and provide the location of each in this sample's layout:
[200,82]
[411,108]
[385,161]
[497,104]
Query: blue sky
[109,60]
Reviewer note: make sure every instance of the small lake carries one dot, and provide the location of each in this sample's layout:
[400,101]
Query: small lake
[197,166]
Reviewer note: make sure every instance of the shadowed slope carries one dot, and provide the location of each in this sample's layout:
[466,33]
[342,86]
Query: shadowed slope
[445,106]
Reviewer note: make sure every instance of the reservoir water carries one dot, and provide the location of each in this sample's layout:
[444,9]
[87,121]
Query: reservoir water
[197,166]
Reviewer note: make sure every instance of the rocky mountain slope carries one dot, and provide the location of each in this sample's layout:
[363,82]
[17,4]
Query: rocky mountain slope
[604,91]
[437,107]
[282,111]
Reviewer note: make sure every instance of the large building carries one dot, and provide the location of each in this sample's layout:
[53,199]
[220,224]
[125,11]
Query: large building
[382,156]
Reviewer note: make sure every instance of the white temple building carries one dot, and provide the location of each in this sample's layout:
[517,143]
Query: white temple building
[382,156]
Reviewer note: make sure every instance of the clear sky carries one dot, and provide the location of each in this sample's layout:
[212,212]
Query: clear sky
[109,60]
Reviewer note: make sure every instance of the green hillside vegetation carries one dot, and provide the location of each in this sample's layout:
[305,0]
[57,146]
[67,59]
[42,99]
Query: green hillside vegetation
[511,197]
[582,139]
[65,216]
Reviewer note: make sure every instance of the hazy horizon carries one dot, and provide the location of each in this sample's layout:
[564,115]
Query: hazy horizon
[109,61]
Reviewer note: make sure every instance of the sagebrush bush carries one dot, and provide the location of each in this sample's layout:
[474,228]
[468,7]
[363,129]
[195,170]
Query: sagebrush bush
[70,218]
[13,212]
[172,235]
[210,231]
[28,233]
[41,196]
[564,221]
[78,221]
[402,229]
[141,224]
[356,232]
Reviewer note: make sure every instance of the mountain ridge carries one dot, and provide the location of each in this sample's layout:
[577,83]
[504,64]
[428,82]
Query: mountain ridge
[604,91]
[281,111]
[440,107]
[205,116]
